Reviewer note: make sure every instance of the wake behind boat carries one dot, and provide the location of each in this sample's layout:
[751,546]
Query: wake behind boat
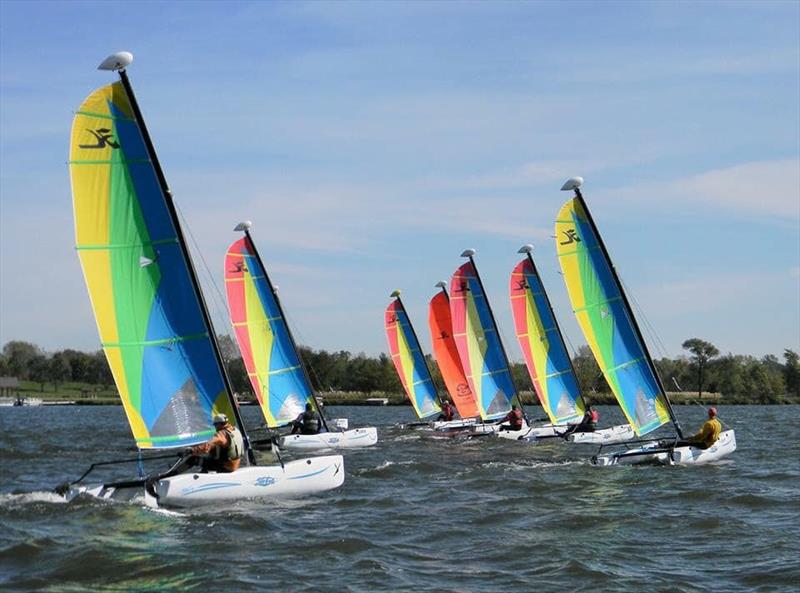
[276,371]
[151,316]
[605,316]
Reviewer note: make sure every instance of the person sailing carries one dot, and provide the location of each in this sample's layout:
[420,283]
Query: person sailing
[307,422]
[515,419]
[587,424]
[448,413]
[708,433]
[223,452]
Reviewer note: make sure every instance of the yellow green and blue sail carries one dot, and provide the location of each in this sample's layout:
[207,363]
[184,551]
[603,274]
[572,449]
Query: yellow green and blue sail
[542,346]
[606,321]
[409,361]
[148,315]
[270,357]
[479,346]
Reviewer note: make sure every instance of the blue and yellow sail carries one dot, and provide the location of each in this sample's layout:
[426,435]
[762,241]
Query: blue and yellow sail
[272,361]
[149,318]
[545,353]
[479,345]
[409,361]
[606,322]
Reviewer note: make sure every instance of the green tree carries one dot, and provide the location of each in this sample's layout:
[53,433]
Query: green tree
[791,371]
[59,369]
[702,352]
[587,371]
[19,356]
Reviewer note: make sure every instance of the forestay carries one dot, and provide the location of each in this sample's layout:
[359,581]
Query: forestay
[445,352]
[272,362]
[606,322]
[409,361]
[545,353]
[149,318]
[479,345]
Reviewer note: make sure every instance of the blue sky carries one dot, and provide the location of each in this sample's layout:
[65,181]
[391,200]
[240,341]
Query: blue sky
[370,143]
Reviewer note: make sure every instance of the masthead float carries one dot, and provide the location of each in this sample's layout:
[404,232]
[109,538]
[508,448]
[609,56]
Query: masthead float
[151,315]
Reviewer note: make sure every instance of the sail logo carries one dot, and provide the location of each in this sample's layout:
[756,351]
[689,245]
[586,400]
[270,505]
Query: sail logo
[443,335]
[522,284]
[571,237]
[463,286]
[239,267]
[104,138]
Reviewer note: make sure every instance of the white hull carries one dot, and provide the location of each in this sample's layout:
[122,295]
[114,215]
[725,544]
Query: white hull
[348,439]
[687,455]
[606,436]
[454,424]
[295,478]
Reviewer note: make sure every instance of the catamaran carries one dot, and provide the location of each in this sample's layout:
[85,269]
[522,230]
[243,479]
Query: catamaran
[548,362]
[609,325]
[277,372]
[413,369]
[151,316]
[481,350]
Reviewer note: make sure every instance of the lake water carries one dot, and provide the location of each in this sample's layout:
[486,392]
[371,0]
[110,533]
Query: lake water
[416,513]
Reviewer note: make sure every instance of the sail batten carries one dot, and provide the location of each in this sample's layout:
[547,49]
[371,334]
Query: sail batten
[149,317]
[542,346]
[272,361]
[409,361]
[479,347]
[606,321]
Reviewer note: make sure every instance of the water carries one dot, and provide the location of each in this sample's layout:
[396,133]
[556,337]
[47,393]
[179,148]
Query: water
[416,513]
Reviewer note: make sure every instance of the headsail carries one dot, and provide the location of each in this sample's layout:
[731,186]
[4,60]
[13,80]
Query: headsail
[272,362]
[150,319]
[409,361]
[606,321]
[479,345]
[545,353]
[446,354]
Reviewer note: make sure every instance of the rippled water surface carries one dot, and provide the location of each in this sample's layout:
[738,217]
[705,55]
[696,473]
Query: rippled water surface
[416,513]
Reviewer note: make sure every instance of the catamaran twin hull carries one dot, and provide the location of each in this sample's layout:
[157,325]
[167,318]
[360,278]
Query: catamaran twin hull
[655,453]
[295,478]
[348,439]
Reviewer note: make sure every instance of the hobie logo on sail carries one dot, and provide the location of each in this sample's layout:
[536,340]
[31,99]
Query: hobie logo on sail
[239,267]
[572,237]
[104,138]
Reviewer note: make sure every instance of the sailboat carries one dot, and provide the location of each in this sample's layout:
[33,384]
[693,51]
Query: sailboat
[412,366]
[481,350]
[609,325]
[410,362]
[277,372]
[548,362]
[151,316]
[445,351]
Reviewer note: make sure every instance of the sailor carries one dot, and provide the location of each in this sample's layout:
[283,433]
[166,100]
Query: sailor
[708,433]
[514,418]
[587,424]
[447,411]
[308,422]
[223,452]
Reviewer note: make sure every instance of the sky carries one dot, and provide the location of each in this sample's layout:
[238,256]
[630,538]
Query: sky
[370,143]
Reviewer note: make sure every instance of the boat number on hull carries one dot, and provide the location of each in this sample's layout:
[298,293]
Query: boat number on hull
[265,481]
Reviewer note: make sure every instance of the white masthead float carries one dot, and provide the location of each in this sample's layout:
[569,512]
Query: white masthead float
[153,322]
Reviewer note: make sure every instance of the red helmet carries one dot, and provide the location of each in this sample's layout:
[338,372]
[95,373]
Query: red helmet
[712,412]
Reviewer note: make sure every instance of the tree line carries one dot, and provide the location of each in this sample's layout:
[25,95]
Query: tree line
[702,369]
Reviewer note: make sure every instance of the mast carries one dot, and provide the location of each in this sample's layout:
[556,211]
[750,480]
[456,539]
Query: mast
[527,250]
[245,227]
[468,253]
[119,66]
[574,184]
[396,295]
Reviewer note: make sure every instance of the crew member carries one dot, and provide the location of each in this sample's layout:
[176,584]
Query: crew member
[448,413]
[308,422]
[223,452]
[708,433]
[587,424]
[515,419]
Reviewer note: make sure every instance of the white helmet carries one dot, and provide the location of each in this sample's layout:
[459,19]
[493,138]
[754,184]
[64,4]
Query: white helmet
[220,419]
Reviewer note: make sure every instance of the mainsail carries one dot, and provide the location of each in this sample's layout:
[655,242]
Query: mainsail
[409,361]
[272,362]
[154,333]
[479,346]
[446,354]
[607,321]
[543,347]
